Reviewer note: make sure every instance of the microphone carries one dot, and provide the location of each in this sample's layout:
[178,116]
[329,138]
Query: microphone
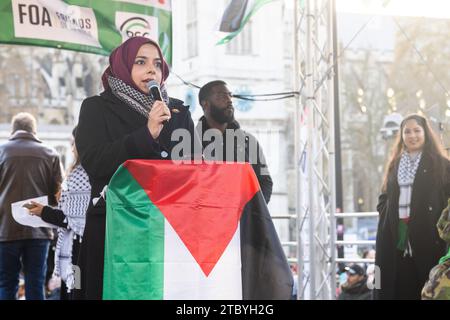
[153,87]
[155,92]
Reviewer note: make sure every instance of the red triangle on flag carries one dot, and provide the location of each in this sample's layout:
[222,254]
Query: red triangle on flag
[202,204]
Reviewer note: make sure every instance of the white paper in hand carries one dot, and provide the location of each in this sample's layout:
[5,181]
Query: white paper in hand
[22,215]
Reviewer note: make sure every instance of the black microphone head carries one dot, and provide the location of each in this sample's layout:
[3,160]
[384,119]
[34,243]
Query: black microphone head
[153,87]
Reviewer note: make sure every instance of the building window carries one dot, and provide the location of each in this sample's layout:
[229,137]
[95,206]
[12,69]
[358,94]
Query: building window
[191,27]
[242,44]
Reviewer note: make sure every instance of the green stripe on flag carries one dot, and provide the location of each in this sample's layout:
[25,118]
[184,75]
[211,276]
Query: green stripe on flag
[257,4]
[134,253]
[402,235]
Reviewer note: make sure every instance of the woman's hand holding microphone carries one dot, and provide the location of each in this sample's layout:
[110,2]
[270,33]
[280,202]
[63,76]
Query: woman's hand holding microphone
[159,114]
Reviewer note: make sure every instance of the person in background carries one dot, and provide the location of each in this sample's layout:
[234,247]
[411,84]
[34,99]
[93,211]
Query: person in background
[216,101]
[294,271]
[414,193]
[28,169]
[70,217]
[355,288]
[368,254]
[438,284]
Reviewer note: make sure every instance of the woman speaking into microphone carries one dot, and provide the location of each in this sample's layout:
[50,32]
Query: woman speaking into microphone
[124,122]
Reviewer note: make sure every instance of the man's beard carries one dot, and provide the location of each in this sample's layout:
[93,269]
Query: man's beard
[221,115]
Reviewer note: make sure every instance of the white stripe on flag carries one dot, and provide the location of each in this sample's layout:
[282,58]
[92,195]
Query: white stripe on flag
[185,280]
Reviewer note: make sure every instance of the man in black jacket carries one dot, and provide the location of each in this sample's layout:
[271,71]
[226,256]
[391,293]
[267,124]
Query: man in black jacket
[28,169]
[228,142]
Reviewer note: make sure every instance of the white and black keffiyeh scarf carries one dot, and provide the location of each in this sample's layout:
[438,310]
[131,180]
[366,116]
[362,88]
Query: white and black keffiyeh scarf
[75,195]
[406,173]
[138,101]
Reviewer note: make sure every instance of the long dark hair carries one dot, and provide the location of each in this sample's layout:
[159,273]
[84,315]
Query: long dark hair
[76,159]
[432,148]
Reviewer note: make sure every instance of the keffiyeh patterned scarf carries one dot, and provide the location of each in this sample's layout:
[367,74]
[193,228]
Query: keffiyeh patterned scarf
[138,101]
[75,195]
[406,173]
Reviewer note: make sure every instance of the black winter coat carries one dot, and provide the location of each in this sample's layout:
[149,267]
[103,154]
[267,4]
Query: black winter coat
[259,167]
[428,199]
[109,133]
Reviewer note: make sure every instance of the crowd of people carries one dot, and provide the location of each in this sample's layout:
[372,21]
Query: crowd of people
[127,122]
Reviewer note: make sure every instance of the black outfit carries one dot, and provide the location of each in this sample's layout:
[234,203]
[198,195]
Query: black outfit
[110,133]
[54,216]
[260,167]
[357,291]
[403,277]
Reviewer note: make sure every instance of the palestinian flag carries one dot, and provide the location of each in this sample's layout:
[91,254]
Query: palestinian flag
[191,231]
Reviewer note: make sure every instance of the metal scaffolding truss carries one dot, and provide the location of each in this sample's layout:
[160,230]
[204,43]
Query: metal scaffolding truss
[314,144]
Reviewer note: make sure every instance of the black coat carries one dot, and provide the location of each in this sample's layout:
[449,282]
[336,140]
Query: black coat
[109,133]
[259,166]
[428,199]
